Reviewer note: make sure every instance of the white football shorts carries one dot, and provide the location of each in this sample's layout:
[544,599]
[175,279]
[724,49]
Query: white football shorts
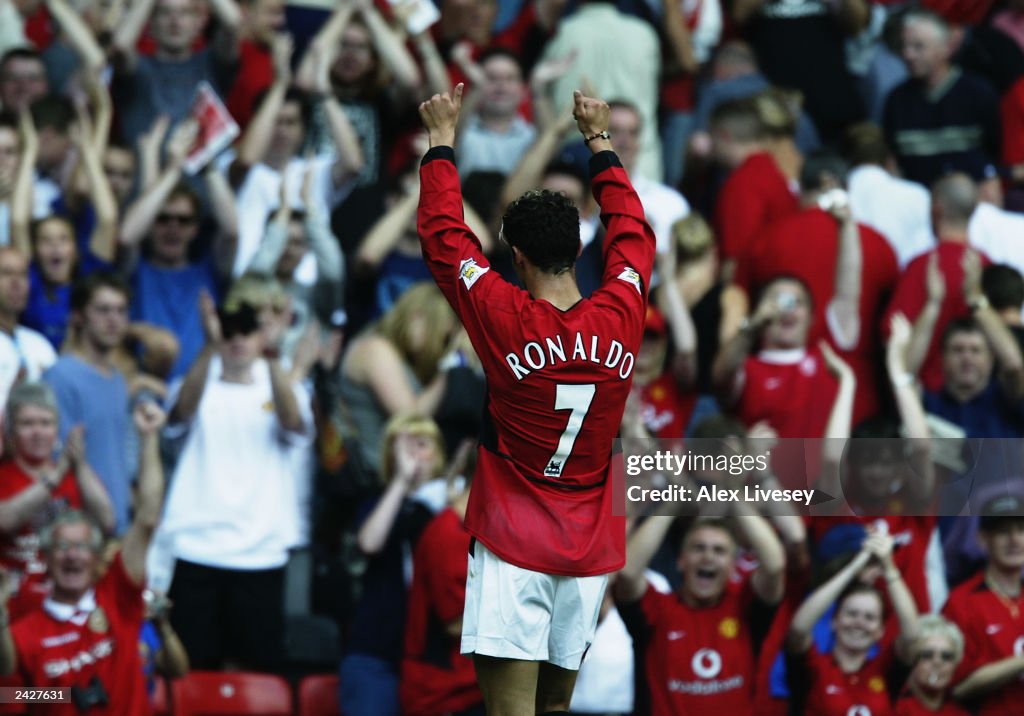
[516,613]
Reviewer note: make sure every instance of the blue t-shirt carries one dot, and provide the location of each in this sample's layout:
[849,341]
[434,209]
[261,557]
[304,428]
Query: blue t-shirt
[169,298]
[85,396]
[49,307]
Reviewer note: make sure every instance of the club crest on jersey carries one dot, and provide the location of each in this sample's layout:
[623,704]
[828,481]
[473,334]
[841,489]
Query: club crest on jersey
[470,272]
[631,276]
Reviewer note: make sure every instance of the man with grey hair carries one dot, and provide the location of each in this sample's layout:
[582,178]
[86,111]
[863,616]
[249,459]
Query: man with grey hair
[85,636]
[941,119]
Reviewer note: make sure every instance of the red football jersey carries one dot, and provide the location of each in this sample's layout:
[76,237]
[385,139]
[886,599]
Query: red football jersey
[62,653]
[909,706]
[697,661]
[806,245]
[755,195]
[992,631]
[436,678]
[911,295]
[20,553]
[792,390]
[557,380]
[832,692]
[664,409]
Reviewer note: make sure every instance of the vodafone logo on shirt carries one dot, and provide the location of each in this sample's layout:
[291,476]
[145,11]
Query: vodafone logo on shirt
[858,711]
[706,663]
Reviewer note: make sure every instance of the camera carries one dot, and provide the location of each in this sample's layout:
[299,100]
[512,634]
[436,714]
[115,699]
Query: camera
[88,697]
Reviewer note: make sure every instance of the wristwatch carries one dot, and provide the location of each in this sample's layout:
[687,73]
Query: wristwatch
[979,303]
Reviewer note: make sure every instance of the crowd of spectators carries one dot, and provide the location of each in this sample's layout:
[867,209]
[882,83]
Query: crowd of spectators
[835,187]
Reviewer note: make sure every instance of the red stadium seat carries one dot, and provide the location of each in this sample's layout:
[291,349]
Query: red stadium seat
[216,693]
[318,695]
[161,698]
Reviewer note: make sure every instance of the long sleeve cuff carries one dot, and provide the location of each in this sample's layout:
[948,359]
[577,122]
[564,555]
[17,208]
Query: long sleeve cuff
[440,152]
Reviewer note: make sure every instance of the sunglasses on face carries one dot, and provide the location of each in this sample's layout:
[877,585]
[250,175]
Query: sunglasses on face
[930,654]
[180,219]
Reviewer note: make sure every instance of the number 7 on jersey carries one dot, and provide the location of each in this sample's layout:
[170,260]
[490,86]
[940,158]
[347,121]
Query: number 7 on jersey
[576,398]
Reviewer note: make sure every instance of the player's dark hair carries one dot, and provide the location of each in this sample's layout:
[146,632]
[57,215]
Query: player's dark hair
[738,117]
[710,522]
[1003,286]
[545,226]
[85,288]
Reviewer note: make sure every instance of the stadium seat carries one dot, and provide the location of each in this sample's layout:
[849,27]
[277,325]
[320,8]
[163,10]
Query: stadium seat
[215,693]
[161,698]
[318,695]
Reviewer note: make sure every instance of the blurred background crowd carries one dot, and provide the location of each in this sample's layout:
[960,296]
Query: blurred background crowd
[835,188]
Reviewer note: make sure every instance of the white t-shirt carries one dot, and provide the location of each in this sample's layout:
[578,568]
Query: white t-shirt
[898,209]
[235,496]
[26,350]
[260,195]
[663,207]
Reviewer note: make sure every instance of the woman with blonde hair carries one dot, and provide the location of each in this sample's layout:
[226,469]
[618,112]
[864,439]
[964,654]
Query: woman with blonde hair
[388,528]
[395,365]
[716,307]
[935,654]
[755,139]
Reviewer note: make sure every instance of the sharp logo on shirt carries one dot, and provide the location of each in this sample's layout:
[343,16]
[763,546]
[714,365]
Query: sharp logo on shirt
[876,684]
[58,667]
[631,276]
[60,640]
[729,628]
[470,272]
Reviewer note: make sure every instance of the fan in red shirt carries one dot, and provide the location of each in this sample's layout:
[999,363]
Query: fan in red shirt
[989,609]
[261,21]
[935,654]
[436,679]
[849,269]
[85,635]
[666,405]
[954,199]
[785,384]
[754,138]
[558,370]
[844,681]
[35,488]
[697,645]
